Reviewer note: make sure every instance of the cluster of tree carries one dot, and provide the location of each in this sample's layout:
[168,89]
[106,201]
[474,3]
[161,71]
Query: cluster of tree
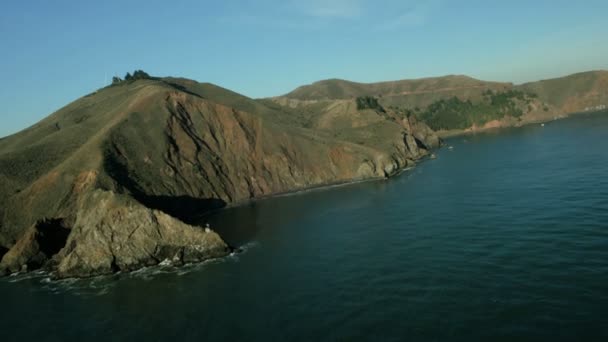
[137,75]
[369,102]
[448,114]
[454,113]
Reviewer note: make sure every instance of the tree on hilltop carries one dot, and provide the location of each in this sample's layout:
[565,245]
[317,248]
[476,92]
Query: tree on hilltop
[140,74]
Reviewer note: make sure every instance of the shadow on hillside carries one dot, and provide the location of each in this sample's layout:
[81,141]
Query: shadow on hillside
[421,144]
[187,209]
[2,252]
[183,207]
[52,236]
[182,88]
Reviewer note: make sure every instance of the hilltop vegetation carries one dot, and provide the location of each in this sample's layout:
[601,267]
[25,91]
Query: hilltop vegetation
[368,102]
[454,113]
[137,75]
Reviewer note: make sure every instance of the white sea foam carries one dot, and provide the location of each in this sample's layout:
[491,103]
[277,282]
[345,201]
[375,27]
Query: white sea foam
[17,277]
[101,285]
[249,245]
[165,262]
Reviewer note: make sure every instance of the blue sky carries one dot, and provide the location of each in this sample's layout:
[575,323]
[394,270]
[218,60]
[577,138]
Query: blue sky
[53,52]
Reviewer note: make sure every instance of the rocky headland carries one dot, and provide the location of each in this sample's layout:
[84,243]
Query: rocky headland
[112,181]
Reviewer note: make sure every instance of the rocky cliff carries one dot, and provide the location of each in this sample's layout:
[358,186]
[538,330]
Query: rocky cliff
[112,181]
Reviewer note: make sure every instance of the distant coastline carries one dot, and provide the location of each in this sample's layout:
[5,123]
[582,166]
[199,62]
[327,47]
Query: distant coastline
[500,124]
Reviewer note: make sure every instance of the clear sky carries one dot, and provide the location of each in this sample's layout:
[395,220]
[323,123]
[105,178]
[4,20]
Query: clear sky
[53,52]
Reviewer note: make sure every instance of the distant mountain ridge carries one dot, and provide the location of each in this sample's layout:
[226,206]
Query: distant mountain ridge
[337,89]
[467,98]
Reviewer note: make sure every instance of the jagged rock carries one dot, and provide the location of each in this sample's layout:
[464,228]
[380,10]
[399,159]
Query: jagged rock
[114,233]
[111,233]
[411,145]
[424,134]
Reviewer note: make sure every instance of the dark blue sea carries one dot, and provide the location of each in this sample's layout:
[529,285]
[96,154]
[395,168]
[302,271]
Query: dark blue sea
[502,238]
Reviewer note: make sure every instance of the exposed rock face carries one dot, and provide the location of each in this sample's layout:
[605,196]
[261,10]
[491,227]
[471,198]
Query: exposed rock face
[424,134]
[216,152]
[113,233]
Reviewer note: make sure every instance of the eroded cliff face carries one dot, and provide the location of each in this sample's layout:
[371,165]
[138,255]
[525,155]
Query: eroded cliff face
[125,196]
[225,156]
[113,233]
[109,233]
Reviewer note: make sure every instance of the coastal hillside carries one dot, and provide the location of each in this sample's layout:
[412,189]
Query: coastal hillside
[113,181]
[453,104]
[586,91]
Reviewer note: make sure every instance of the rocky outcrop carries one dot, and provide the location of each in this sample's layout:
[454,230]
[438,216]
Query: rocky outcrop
[114,233]
[424,134]
[111,233]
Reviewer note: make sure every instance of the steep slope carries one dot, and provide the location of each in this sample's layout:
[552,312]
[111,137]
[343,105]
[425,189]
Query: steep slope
[120,168]
[575,93]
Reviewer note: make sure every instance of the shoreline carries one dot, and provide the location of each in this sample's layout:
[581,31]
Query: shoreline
[319,187]
[446,134]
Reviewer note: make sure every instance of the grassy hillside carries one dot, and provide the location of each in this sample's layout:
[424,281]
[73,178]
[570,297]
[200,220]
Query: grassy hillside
[460,102]
[340,89]
[572,93]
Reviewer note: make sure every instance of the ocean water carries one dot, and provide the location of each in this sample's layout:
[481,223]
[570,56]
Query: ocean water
[503,237]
